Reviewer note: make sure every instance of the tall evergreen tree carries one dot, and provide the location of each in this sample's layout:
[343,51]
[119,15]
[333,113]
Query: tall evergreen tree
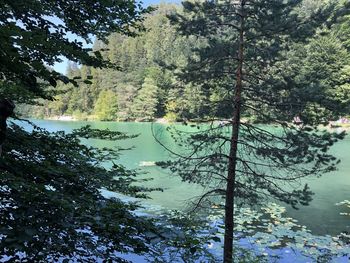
[241,45]
[146,101]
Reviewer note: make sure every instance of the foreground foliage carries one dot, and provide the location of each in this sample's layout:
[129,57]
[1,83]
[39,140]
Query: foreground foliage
[51,201]
[34,35]
[50,184]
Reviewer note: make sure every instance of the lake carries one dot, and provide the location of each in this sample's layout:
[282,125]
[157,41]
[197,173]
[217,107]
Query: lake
[322,216]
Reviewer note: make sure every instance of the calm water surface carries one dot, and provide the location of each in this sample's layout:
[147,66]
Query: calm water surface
[321,216]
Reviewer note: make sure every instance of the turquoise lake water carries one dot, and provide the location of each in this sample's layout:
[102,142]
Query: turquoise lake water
[322,216]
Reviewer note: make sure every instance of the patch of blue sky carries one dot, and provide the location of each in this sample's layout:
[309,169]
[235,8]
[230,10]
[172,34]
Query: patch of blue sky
[61,65]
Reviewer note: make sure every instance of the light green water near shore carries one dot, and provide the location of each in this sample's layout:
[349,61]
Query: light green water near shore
[321,216]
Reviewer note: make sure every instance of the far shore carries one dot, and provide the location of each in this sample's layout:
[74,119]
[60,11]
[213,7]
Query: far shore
[62,118]
[333,125]
[90,118]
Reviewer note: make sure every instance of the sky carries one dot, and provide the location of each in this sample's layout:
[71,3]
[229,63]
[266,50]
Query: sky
[62,67]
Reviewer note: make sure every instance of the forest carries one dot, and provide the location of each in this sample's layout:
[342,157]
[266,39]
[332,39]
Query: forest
[241,107]
[146,85]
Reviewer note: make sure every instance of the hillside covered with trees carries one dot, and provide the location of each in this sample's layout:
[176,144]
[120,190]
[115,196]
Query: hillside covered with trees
[146,82]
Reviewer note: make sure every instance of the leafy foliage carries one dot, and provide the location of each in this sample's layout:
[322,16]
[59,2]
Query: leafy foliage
[183,238]
[34,35]
[52,204]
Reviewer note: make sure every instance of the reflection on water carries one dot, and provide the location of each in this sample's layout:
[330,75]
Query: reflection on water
[322,216]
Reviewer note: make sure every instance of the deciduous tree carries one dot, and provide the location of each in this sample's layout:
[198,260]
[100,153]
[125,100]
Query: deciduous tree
[52,207]
[106,106]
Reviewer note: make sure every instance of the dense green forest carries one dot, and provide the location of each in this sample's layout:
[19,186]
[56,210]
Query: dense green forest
[140,88]
[145,84]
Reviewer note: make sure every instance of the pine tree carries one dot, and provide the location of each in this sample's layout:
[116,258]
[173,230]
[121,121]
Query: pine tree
[241,45]
[146,101]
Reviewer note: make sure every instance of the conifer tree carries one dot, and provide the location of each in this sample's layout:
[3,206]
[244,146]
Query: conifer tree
[242,44]
[146,101]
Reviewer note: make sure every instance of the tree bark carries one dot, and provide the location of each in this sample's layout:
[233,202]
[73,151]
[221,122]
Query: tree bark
[6,110]
[231,174]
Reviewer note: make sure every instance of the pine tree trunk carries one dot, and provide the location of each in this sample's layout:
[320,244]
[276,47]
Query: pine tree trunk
[231,174]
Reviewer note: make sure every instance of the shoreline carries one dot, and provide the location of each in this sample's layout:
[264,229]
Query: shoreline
[332,125]
[72,118]
[61,118]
